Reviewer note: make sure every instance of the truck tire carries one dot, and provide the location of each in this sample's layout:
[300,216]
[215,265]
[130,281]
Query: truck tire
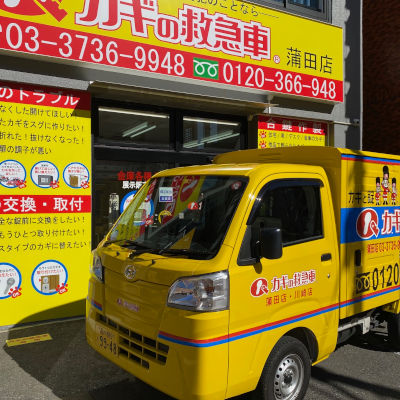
[393,326]
[286,373]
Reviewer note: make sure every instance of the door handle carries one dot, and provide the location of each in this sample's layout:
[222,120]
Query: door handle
[326,257]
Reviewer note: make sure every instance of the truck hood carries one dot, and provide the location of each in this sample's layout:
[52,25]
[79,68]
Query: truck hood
[161,269]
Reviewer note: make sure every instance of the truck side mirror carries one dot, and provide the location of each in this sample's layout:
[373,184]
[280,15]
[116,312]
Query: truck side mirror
[268,244]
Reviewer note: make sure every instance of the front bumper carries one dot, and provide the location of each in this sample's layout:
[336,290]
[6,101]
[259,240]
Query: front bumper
[179,370]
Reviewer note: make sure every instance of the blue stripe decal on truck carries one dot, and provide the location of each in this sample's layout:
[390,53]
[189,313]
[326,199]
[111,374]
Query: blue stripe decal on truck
[273,325]
[95,304]
[373,160]
[246,333]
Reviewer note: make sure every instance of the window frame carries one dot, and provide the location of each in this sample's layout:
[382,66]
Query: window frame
[175,127]
[281,183]
[209,116]
[297,9]
[98,103]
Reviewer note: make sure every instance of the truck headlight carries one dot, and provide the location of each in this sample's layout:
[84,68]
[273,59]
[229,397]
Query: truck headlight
[97,267]
[208,292]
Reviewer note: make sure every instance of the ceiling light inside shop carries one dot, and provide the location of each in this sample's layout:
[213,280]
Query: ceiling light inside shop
[222,136]
[216,138]
[131,112]
[210,121]
[135,129]
[150,128]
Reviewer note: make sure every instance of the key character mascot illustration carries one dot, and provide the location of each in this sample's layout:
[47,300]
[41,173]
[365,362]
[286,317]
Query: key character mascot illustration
[394,191]
[378,191]
[385,184]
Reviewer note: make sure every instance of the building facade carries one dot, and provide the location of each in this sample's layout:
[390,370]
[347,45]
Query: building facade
[381,83]
[98,96]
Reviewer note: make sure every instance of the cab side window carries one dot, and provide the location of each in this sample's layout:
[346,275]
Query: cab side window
[294,208]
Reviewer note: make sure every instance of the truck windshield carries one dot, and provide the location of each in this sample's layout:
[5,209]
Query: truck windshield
[180,215]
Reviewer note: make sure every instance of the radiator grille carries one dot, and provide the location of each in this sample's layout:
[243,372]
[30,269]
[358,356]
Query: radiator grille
[135,347]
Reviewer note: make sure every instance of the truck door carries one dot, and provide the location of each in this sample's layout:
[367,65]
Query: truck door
[299,291]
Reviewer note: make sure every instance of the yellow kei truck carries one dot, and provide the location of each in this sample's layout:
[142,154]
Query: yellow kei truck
[239,276]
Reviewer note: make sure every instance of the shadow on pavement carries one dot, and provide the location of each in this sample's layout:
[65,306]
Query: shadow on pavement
[376,340]
[355,387]
[67,366]
[127,390]
[336,382]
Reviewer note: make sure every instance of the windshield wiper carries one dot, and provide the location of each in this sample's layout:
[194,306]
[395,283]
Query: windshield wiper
[126,243]
[108,242]
[137,248]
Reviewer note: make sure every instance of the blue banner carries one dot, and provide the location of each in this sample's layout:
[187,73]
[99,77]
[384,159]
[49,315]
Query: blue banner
[360,224]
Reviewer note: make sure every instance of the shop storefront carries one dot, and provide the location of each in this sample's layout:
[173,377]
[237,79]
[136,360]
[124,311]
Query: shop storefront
[96,96]
[132,142]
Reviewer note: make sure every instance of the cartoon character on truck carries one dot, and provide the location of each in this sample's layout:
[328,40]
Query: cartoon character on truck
[263,265]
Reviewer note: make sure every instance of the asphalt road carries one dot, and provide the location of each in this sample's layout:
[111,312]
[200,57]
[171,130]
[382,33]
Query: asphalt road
[66,368]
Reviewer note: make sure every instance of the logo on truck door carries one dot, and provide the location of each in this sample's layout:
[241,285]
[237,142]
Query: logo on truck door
[259,287]
[284,282]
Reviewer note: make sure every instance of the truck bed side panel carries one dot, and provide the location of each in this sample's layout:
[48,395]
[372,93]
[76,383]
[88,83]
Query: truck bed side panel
[370,232]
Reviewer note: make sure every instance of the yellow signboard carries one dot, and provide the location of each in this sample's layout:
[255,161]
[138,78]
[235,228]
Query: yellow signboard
[230,42]
[45,201]
[287,132]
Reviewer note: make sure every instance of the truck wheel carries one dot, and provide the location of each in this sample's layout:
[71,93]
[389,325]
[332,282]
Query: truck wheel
[286,373]
[393,325]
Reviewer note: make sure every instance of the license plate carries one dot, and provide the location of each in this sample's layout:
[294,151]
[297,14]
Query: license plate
[107,340]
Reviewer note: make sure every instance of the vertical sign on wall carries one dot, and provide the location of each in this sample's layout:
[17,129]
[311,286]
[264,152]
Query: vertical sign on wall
[45,202]
[285,132]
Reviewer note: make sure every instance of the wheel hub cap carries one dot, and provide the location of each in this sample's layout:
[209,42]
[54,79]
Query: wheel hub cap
[289,378]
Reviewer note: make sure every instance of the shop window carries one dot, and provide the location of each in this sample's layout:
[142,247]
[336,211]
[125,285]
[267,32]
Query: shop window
[317,9]
[210,134]
[311,4]
[134,127]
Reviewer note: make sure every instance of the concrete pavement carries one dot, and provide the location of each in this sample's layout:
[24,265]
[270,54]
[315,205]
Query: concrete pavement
[67,368]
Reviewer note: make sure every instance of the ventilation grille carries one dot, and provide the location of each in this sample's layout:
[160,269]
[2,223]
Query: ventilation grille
[135,347]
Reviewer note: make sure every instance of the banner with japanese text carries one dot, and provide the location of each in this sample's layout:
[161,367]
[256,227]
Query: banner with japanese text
[45,201]
[286,132]
[227,42]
